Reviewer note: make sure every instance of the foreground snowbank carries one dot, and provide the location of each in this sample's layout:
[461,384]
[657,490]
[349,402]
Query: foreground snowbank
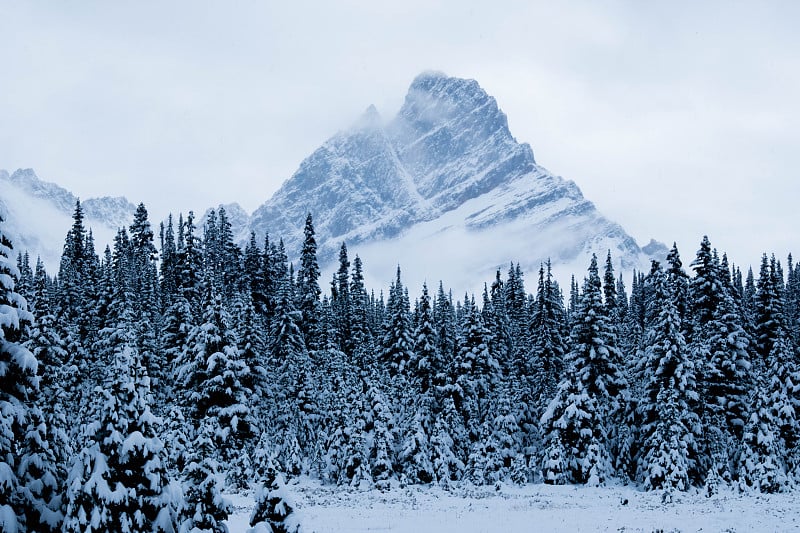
[531,508]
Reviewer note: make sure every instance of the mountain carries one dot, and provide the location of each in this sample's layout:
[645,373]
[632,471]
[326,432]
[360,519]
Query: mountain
[444,189]
[38,215]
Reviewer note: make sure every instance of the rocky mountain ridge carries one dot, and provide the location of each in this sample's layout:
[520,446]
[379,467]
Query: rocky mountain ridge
[442,188]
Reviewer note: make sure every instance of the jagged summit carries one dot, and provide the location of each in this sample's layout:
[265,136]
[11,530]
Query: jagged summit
[446,168]
[370,119]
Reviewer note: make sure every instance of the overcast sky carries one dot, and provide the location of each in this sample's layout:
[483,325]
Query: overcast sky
[675,118]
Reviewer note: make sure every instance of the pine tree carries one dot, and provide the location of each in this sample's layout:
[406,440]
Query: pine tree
[574,433]
[771,430]
[427,363]
[18,385]
[718,346]
[445,328]
[340,300]
[595,353]
[397,345]
[253,351]
[41,479]
[190,263]
[415,455]
[545,363]
[667,450]
[382,439]
[274,512]
[610,288]
[476,372]
[204,509]
[295,403]
[497,320]
[119,481]
[679,282]
[361,330]
[210,372]
[592,393]
[515,300]
[769,319]
[308,285]
[447,441]
[169,262]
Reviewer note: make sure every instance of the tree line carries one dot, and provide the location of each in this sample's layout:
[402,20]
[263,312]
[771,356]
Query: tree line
[135,380]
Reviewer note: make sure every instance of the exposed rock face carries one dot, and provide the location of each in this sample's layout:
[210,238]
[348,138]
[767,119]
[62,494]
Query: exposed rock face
[446,164]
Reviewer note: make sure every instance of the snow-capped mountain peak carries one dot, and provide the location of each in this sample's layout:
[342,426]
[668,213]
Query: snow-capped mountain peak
[444,182]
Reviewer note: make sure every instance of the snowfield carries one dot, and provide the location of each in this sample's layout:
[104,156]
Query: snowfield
[327,509]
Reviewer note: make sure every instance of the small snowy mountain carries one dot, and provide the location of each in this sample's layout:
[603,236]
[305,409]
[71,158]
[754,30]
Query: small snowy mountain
[39,214]
[445,190]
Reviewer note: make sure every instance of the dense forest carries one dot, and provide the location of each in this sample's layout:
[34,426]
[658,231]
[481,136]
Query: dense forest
[140,383]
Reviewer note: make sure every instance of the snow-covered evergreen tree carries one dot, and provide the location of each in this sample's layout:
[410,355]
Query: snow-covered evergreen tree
[274,510]
[18,386]
[574,435]
[210,373]
[382,439]
[308,286]
[204,509]
[397,345]
[119,481]
[667,451]
[476,371]
[545,363]
[415,455]
[591,394]
[447,441]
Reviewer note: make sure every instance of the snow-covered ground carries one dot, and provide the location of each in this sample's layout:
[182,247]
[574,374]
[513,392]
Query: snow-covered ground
[531,508]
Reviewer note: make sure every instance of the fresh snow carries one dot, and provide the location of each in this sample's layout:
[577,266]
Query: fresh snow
[511,509]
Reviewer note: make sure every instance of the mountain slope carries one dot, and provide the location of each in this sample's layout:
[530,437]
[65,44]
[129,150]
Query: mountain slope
[443,189]
[38,215]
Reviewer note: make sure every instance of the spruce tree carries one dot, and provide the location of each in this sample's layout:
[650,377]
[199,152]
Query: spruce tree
[476,372]
[719,348]
[18,386]
[204,509]
[382,439]
[397,346]
[361,330]
[308,285]
[545,363]
[769,318]
[119,482]
[415,455]
[448,441]
[592,393]
[294,402]
[770,434]
[274,512]
[427,363]
[210,374]
[667,452]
